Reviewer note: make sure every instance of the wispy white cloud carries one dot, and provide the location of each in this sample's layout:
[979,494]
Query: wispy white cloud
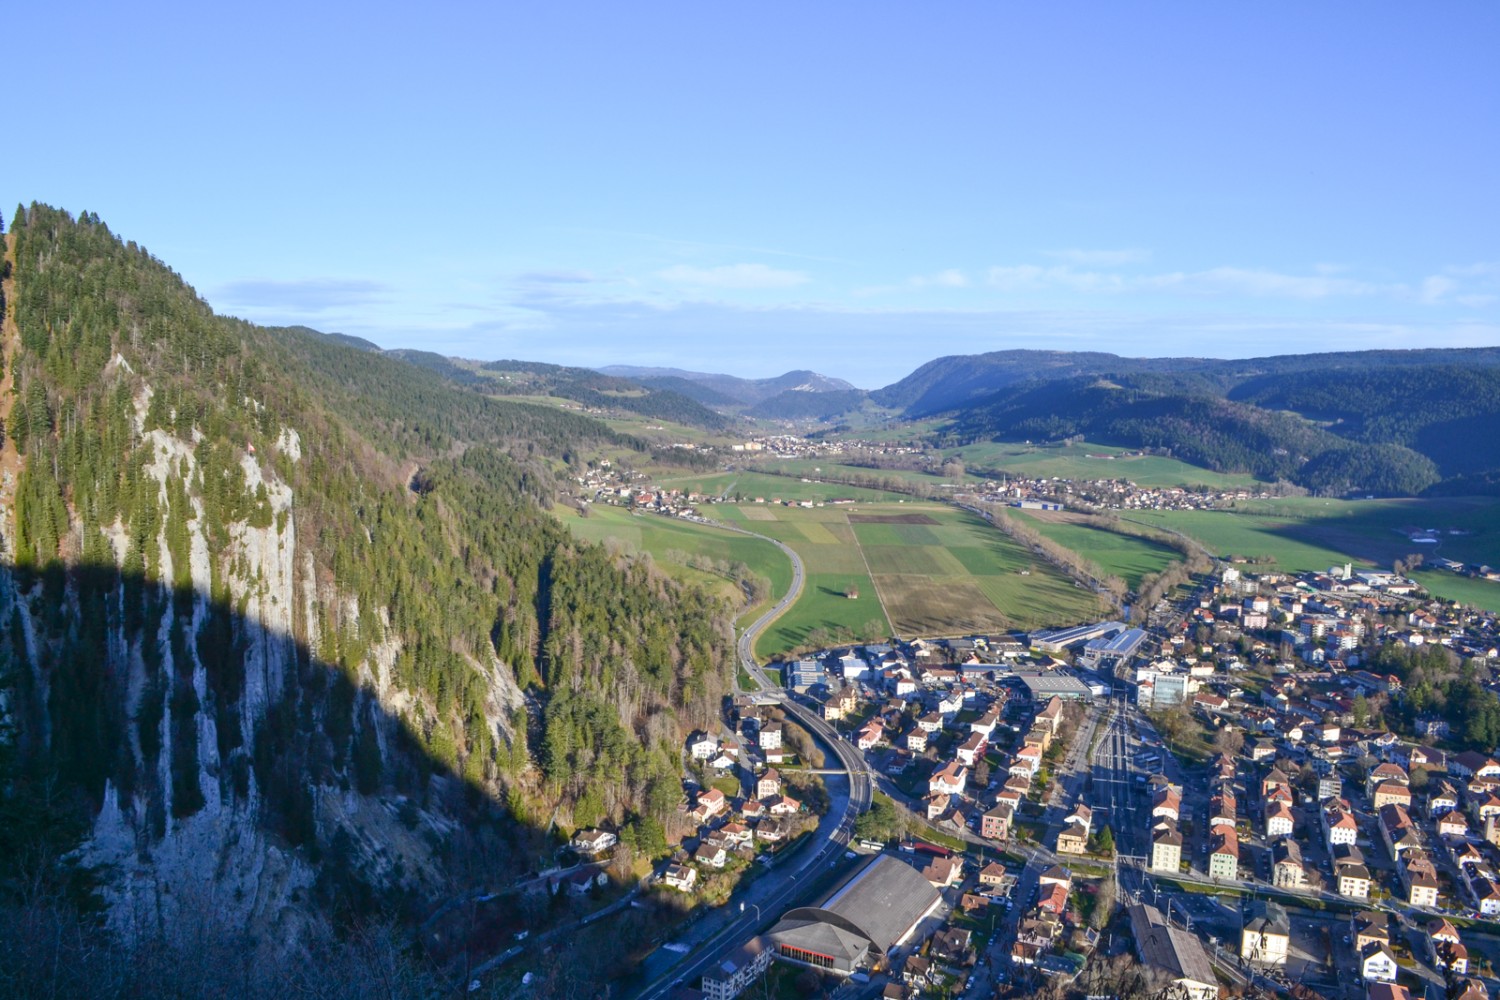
[697,246]
[1034,278]
[1435,287]
[757,339]
[1485,269]
[1100,258]
[734,276]
[1257,282]
[1218,281]
[558,277]
[951,278]
[311,295]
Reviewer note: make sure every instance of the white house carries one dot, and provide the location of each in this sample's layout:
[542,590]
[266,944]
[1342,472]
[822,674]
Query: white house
[1377,963]
[950,780]
[680,877]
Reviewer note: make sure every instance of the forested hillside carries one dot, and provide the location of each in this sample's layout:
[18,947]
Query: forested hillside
[1153,411]
[1445,411]
[287,625]
[1380,422]
[730,391]
[592,389]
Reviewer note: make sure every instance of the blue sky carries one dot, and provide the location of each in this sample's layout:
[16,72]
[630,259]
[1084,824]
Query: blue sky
[850,187]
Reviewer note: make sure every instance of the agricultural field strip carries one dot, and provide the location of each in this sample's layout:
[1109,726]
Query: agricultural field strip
[1115,553]
[1309,533]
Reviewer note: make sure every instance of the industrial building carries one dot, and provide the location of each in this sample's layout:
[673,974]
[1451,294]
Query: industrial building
[1056,641]
[802,674]
[1105,655]
[1041,687]
[875,910]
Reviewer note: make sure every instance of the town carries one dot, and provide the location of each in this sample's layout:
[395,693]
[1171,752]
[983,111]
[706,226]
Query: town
[1284,784]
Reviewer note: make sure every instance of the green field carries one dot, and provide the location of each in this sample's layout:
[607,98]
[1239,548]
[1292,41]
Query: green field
[1073,462]
[749,485]
[918,568]
[664,538]
[1312,533]
[1131,559]
[813,468]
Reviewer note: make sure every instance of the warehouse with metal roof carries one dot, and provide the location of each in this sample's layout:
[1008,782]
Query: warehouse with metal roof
[1040,687]
[869,914]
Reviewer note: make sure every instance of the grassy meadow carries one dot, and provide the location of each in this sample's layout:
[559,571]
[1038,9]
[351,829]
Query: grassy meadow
[918,569]
[1314,533]
[668,540]
[1074,462]
[749,485]
[1131,559]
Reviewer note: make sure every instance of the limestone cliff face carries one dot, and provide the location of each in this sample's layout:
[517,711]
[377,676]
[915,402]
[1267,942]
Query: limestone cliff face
[198,675]
[268,604]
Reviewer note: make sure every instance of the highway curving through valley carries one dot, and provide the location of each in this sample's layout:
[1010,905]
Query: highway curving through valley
[793,883]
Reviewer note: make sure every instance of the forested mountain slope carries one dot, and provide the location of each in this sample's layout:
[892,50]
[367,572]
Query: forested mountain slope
[1154,411]
[596,390]
[729,390]
[1383,422]
[959,381]
[286,631]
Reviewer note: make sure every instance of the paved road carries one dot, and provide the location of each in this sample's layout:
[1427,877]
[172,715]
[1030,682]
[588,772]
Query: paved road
[784,887]
[746,645]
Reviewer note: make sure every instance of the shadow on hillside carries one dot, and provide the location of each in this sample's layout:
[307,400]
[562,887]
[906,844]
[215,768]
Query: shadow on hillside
[264,827]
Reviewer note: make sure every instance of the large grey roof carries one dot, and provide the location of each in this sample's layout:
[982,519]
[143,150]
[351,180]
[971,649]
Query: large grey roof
[1170,949]
[884,899]
[874,909]
[807,928]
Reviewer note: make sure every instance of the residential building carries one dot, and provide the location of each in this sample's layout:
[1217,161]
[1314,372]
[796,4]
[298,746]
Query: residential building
[1072,840]
[728,978]
[593,842]
[1339,824]
[1419,878]
[951,779]
[1287,869]
[1279,821]
[1166,850]
[995,824]
[1377,962]
[1224,856]
[1391,793]
[702,746]
[1267,933]
[680,877]
[992,874]
[1369,927]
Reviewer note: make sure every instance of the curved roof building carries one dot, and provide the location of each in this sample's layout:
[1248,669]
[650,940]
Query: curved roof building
[875,910]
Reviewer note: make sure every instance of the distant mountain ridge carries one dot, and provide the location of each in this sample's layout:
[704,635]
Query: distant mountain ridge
[952,382]
[744,391]
[1381,422]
